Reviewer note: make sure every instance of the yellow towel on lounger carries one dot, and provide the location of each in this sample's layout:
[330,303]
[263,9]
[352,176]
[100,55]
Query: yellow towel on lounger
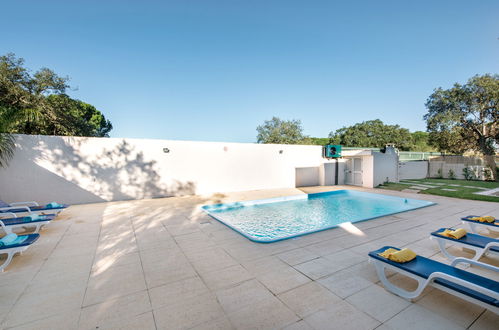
[487,218]
[457,234]
[401,256]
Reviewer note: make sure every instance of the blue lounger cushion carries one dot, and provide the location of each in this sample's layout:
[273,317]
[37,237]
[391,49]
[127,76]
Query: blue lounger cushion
[470,239]
[26,220]
[38,208]
[424,267]
[22,240]
[493,224]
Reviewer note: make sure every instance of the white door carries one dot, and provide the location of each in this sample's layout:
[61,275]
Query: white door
[353,171]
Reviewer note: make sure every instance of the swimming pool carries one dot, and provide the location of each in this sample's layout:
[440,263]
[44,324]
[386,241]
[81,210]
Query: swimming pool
[275,219]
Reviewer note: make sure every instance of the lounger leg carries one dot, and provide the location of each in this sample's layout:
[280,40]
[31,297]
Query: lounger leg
[380,270]
[472,227]
[441,244]
[7,262]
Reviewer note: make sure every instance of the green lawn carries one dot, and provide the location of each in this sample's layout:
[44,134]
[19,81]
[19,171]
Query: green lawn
[461,192]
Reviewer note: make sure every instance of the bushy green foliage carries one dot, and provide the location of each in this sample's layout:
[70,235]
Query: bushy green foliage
[38,104]
[280,131]
[451,174]
[468,174]
[466,117]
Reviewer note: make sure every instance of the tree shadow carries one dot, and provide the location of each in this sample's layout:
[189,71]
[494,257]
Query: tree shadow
[117,172]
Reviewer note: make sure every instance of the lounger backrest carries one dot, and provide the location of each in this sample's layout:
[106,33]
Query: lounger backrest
[3,204]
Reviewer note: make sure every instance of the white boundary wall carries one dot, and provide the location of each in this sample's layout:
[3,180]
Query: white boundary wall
[84,170]
[413,170]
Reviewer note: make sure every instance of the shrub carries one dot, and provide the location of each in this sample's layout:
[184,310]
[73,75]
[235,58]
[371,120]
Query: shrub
[468,174]
[487,173]
[452,175]
[440,174]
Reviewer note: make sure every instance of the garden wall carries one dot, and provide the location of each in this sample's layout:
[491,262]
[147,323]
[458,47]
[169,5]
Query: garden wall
[84,170]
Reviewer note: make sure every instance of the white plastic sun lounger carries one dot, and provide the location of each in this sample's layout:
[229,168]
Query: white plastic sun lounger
[478,243]
[468,286]
[20,244]
[30,208]
[10,224]
[474,225]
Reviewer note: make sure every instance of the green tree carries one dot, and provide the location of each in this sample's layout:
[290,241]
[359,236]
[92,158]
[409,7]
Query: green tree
[38,104]
[372,134]
[420,141]
[466,117]
[280,131]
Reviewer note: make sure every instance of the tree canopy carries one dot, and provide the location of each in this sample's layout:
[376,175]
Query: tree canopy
[466,117]
[280,131]
[37,103]
[376,134]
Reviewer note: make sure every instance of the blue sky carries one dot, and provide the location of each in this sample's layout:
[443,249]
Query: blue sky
[214,70]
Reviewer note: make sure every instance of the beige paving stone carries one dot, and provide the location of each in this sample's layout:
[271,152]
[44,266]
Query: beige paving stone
[114,283]
[317,268]
[143,322]
[188,313]
[486,321]
[300,325]
[264,265]
[341,316]
[308,298]
[242,295]
[63,321]
[208,260]
[268,314]
[451,307]
[345,283]
[416,317]
[344,259]
[173,292]
[324,248]
[282,280]
[226,277]
[222,323]
[297,256]
[378,303]
[121,310]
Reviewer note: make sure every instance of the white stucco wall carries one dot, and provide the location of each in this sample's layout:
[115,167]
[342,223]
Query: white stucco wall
[385,167]
[83,170]
[413,170]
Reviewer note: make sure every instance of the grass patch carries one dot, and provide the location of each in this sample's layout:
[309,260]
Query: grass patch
[460,191]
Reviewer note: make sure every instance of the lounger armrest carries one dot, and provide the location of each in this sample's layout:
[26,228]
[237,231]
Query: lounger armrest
[474,262]
[24,204]
[9,208]
[8,215]
[438,275]
[490,246]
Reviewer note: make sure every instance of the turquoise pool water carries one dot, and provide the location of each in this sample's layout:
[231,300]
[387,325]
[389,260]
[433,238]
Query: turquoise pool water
[275,219]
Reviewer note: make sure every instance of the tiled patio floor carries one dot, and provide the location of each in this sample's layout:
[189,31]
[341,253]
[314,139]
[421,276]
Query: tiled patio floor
[163,264]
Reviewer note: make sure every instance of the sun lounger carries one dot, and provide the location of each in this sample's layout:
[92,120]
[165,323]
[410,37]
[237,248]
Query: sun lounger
[466,285]
[32,207]
[20,244]
[9,224]
[474,224]
[480,244]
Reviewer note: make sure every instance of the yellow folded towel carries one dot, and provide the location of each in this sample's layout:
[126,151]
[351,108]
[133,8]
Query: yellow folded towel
[401,256]
[487,218]
[457,234]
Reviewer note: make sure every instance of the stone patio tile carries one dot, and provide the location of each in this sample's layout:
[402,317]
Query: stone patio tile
[324,248]
[282,280]
[300,325]
[344,259]
[264,265]
[222,323]
[64,321]
[164,274]
[173,292]
[188,313]
[345,283]
[267,314]
[318,268]
[451,307]
[116,311]
[308,299]
[143,322]
[297,256]
[341,316]
[486,321]
[378,303]
[226,277]
[113,283]
[416,317]
[211,259]
[246,293]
